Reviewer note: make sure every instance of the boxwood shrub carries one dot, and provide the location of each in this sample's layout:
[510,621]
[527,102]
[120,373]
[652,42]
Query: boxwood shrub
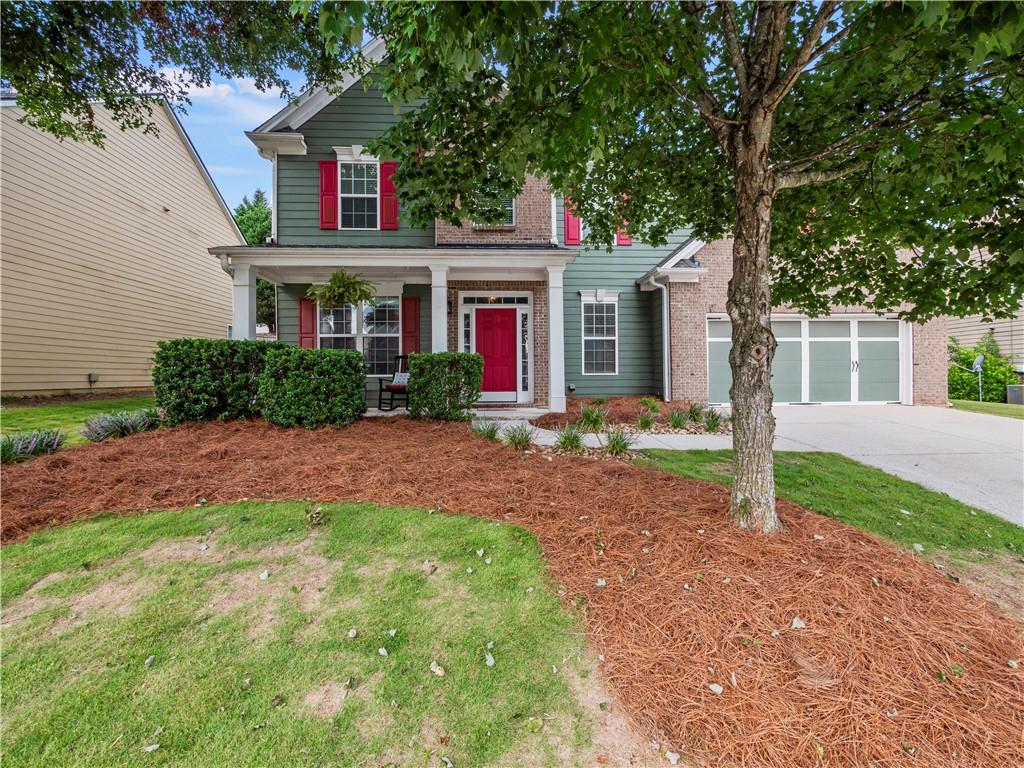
[312,387]
[444,386]
[208,379]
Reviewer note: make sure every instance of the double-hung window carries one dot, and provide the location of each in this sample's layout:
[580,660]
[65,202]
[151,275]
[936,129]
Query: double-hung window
[359,191]
[600,332]
[381,337]
[372,328]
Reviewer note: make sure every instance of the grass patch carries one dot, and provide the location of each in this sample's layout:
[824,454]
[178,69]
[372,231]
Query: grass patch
[864,497]
[995,409]
[70,417]
[78,691]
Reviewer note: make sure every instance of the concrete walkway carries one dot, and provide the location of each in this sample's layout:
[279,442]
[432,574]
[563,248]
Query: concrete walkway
[974,457]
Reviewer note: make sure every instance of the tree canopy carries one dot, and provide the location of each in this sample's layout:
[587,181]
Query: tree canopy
[898,129]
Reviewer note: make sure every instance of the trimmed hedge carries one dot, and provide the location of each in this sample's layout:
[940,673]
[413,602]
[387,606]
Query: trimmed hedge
[444,386]
[209,379]
[312,387]
[996,374]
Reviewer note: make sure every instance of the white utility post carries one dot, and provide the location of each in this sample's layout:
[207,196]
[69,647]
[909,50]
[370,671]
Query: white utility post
[556,341]
[243,302]
[438,308]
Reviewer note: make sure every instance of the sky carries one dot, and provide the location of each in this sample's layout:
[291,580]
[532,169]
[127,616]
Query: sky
[216,122]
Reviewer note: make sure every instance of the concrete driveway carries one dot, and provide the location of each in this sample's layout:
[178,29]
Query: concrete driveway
[974,457]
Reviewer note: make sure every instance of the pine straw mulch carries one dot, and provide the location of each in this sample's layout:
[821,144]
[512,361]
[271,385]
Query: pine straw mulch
[860,685]
[623,411]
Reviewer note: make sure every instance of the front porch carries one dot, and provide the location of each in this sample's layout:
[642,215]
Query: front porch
[503,303]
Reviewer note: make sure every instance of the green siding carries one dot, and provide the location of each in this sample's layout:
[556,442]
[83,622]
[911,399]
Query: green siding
[639,315]
[355,117]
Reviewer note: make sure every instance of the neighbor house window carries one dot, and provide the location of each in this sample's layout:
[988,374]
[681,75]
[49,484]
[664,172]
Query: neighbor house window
[600,332]
[358,190]
[373,328]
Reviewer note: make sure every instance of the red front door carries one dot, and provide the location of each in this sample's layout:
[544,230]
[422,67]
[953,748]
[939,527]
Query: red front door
[496,341]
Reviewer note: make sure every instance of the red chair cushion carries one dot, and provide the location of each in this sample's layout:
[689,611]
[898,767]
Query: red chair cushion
[395,387]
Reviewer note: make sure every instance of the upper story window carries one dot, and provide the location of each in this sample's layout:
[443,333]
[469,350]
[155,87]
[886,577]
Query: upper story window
[359,191]
[510,212]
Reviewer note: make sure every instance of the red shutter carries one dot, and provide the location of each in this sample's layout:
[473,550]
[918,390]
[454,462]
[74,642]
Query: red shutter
[307,323]
[410,324]
[622,237]
[388,197]
[572,224]
[328,194]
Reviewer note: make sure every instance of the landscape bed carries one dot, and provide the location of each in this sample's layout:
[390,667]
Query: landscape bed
[818,645]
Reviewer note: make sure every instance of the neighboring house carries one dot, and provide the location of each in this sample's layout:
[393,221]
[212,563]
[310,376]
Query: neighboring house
[551,317]
[1008,333]
[104,254]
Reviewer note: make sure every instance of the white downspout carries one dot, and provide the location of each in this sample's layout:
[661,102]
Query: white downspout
[666,356]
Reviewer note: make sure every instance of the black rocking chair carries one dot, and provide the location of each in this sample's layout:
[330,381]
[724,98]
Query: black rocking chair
[396,388]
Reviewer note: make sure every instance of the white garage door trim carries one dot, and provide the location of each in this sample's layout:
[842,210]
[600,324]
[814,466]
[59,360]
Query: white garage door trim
[859,339]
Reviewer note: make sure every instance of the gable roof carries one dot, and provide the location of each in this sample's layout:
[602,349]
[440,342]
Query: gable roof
[682,257]
[309,103]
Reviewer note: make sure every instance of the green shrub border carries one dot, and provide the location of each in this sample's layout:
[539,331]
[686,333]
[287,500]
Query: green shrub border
[312,387]
[444,386]
[209,379]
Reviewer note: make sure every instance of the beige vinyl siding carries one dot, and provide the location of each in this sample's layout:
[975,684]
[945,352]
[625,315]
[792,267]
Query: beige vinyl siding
[1009,334]
[104,253]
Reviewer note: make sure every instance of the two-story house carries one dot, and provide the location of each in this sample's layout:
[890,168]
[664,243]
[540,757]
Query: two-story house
[551,317]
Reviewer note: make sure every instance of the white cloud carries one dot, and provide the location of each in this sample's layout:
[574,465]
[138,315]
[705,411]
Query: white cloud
[235,102]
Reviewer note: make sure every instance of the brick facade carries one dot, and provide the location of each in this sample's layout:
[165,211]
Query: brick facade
[690,303]
[539,291]
[532,222]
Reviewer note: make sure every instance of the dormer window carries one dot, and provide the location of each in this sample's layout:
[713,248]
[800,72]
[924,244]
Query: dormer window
[359,192]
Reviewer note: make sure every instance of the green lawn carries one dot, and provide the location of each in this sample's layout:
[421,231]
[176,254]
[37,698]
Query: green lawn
[995,409]
[67,416]
[866,498]
[262,672]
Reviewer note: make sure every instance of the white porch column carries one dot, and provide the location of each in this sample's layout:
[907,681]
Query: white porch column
[439,309]
[243,302]
[556,341]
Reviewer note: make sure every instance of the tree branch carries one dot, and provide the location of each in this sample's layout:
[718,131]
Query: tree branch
[803,178]
[808,50]
[732,45]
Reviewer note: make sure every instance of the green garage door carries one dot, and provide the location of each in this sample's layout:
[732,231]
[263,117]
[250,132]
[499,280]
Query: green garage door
[819,361]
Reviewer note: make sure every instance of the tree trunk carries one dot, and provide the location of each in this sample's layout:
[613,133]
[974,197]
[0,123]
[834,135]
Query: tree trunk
[752,504]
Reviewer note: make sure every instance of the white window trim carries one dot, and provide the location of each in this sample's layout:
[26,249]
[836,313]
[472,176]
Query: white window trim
[354,155]
[359,332]
[598,296]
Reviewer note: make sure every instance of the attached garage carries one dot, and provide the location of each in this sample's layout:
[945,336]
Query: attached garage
[841,359]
